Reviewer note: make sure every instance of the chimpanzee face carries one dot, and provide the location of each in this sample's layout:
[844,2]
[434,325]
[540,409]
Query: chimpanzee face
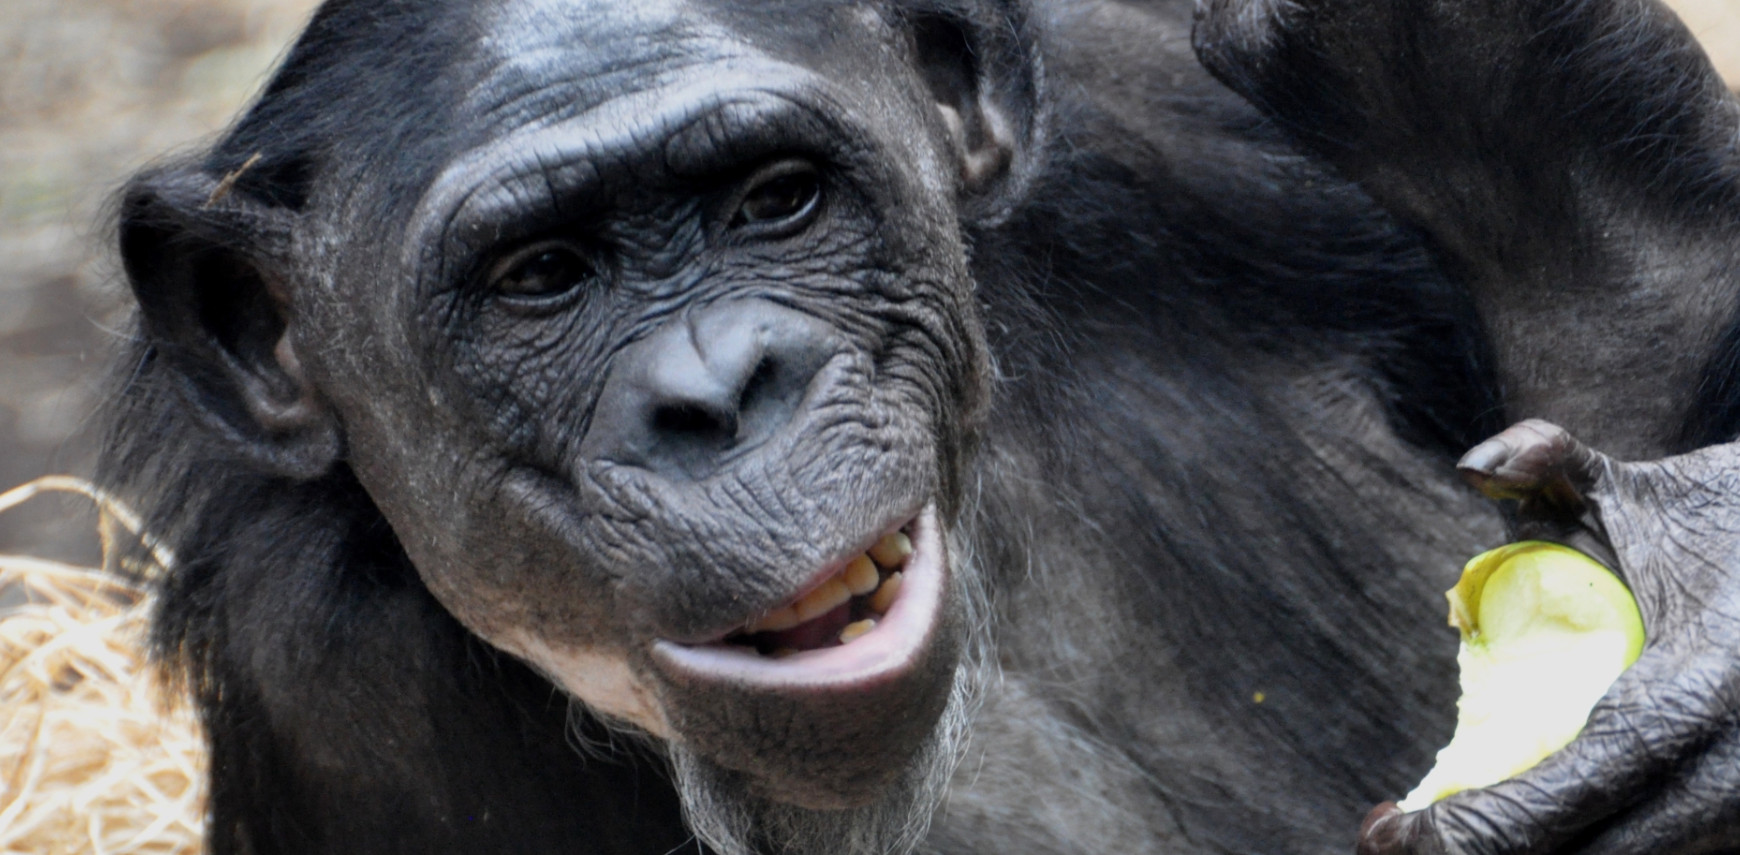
[665,379]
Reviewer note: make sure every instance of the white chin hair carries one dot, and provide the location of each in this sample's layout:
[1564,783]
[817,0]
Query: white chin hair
[720,809]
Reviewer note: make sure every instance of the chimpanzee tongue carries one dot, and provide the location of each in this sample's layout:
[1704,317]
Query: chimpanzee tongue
[819,632]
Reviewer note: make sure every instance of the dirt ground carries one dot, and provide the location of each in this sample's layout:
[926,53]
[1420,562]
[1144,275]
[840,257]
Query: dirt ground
[91,90]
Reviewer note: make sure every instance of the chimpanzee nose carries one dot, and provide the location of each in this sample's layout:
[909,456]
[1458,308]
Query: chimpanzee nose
[707,386]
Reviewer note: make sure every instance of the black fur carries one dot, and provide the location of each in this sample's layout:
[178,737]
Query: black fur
[1229,391]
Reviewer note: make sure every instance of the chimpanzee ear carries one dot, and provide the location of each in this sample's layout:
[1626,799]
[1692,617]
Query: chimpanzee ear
[207,265]
[984,84]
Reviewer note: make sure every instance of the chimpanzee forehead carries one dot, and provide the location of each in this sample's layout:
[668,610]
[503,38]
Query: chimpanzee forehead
[584,52]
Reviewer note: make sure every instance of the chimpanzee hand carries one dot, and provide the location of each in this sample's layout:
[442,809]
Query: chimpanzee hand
[1657,768]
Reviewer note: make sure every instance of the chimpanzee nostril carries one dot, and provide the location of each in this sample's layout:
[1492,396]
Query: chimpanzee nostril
[695,420]
[706,387]
[762,389]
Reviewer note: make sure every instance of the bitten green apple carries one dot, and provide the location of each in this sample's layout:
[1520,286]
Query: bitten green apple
[1545,631]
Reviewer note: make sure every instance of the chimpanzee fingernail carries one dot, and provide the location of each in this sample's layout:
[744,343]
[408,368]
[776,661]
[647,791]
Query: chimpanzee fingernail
[1485,457]
[1378,833]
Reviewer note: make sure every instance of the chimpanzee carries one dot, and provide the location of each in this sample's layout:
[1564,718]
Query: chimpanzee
[953,426]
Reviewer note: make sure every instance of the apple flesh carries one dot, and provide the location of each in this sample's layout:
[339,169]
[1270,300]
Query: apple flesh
[1545,631]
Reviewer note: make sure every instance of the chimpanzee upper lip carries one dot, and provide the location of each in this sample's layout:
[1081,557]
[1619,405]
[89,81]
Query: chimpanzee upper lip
[883,653]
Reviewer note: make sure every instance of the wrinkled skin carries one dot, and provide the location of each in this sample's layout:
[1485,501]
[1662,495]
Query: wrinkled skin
[508,359]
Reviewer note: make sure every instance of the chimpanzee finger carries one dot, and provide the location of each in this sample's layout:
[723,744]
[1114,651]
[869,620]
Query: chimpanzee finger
[1551,475]
[1531,458]
[1658,715]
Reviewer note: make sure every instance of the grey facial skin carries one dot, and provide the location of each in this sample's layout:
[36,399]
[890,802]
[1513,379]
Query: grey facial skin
[947,427]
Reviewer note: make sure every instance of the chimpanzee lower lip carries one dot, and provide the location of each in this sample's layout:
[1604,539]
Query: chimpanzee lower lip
[883,653]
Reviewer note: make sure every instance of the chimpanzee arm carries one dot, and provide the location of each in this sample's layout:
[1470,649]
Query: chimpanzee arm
[1573,162]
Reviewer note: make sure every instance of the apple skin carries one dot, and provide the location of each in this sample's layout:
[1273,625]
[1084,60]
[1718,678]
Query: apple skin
[1545,631]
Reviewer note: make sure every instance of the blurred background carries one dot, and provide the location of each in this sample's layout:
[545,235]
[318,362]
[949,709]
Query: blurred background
[91,90]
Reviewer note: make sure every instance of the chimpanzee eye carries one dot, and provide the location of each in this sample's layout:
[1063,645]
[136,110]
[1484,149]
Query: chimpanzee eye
[781,197]
[543,272]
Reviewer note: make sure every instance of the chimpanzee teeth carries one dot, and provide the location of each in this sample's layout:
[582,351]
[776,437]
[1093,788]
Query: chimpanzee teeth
[855,629]
[892,550]
[884,596]
[775,620]
[822,600]
[861,576]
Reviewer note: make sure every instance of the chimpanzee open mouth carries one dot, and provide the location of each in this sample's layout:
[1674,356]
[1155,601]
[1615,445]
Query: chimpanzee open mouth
[845,606]
[866,619]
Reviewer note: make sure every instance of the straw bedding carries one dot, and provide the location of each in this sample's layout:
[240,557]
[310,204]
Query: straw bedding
[97,753]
